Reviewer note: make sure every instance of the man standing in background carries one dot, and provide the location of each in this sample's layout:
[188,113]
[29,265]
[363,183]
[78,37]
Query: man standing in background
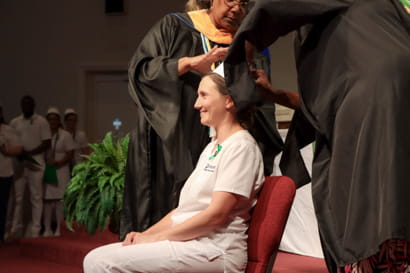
[35,136]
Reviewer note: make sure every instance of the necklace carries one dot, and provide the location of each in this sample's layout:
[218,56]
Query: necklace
[218,149]
[406,3]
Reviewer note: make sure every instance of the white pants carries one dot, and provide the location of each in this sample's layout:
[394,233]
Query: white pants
[34,180]
[165,256]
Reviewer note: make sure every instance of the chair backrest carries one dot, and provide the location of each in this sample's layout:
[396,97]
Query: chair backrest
[268,222]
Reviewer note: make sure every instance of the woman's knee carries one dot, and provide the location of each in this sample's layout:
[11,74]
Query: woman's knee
[90,262]
[96,262]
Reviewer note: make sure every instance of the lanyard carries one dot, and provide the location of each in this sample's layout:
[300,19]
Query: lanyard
[53,147]
[206,45]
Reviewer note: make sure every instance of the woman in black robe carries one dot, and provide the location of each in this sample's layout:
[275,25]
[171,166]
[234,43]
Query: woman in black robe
[353,64]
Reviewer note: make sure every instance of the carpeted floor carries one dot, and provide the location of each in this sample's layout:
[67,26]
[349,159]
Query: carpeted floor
[64,254]
[293,263]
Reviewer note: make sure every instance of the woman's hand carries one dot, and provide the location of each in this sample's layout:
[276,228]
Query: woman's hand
[202,63]
[250,51]
[53,163]
[134,238]
[130,238]
[57,163]
[262,81]
[61,163]
[282,97]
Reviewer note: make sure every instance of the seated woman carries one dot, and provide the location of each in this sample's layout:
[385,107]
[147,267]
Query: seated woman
[207,231]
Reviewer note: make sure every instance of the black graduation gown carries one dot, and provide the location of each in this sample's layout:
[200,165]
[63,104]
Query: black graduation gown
[168,138]
[353,64]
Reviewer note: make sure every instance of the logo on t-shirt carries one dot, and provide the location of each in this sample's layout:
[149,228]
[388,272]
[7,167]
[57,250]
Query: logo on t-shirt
[209,168]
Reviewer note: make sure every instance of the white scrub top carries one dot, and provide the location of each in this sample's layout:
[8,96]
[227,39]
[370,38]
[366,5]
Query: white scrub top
[61,143]
[8,137]
[237,168]
[32,132]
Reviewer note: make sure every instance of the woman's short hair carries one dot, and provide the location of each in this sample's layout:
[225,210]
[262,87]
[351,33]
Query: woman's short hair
[192,5]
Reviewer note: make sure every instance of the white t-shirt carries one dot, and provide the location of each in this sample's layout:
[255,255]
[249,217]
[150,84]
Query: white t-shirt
[80,142]
[8,137]
[238,169]
[32,132]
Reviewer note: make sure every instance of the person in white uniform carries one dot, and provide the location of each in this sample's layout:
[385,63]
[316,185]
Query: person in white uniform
[207,230]
[10,146]
[80,138]
[35,136]
[60,155]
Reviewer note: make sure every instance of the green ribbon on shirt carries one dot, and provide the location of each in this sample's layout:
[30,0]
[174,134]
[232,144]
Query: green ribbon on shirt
[218,149]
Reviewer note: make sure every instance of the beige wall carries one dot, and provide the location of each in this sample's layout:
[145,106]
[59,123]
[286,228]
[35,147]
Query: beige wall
[47,44]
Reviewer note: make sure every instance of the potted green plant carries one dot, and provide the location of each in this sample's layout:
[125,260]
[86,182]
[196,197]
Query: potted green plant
[93,198]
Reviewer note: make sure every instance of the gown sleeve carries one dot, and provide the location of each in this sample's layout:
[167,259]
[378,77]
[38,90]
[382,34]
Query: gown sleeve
[265,23]
[153,72]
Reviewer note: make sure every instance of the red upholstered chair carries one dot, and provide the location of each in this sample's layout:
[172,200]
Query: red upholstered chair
[268,222]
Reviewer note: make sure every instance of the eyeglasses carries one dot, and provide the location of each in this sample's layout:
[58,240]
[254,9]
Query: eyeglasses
[241,3]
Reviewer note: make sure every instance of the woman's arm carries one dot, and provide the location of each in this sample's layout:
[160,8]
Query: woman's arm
[161,225]
[45,144]
[282,97]
[214,216]
[82,140]
[201,63]
[67,158]
[11,150]
[13,146]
